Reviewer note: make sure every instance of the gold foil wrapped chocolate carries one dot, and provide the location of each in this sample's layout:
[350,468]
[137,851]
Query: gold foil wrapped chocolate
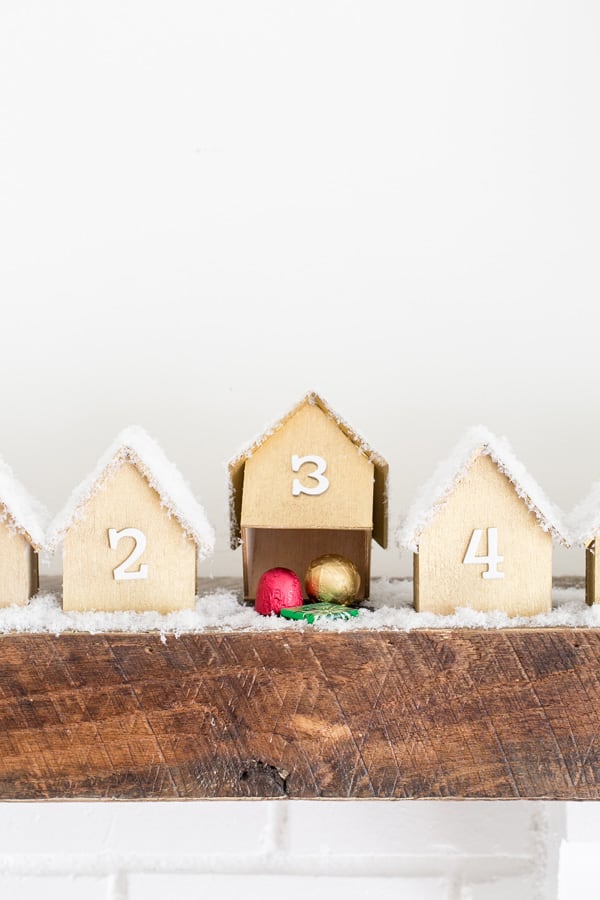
[332,579]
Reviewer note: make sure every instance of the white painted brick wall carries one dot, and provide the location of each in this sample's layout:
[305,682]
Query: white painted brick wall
[579,853]
[447,850]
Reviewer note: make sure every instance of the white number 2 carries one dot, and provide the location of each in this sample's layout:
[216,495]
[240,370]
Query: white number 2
[492,559]
[121,573]
[322,482]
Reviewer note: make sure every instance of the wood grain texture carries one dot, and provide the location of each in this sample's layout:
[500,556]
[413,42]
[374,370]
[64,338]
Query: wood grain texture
[438,714]
[295,549]
[308,427]
[484,498]
[18,565]
[128,501]
[592,572]
[268,501]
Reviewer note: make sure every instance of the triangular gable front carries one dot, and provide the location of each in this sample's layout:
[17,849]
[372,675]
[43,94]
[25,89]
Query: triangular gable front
[133,446]
[346,484]
[483,496]
[343,507]
[485,549]
[477,442]
[126,491]
[126,551]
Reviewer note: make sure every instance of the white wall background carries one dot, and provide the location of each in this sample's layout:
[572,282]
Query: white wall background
[224,850]
[207,208]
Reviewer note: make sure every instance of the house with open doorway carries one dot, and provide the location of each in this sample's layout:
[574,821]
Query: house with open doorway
[309,485]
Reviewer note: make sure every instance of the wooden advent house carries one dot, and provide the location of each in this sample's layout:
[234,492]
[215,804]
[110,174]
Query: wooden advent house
[132,533]
[22,525]
[584,523]
[308,486]
[481,533]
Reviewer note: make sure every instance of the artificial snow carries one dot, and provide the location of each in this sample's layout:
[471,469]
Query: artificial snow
[221,609]
[584,519]
[313,399]
[23,513]
[450,472]
[134,446]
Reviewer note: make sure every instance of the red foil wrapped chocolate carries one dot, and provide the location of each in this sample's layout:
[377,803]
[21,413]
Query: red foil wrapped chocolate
[277,589]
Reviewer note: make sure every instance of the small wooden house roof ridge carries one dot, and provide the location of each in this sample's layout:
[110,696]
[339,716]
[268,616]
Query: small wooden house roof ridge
[236,465]
[22,512]
[477,441]
[133,445]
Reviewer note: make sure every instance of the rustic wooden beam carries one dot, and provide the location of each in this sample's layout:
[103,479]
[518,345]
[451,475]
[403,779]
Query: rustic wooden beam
[437,714]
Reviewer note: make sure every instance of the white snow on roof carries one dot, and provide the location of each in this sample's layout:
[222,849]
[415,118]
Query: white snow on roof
[584,519]
[477,441]
[313,399]
[24,513]
[134,446]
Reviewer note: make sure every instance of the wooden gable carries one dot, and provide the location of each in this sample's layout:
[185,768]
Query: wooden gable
[126,500]
[346,500]
[484,499]
[262,478]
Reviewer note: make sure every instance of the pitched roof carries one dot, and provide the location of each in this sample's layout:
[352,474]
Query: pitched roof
[21,512]
[477,442]
[134,446]
[584,519]
[237,463]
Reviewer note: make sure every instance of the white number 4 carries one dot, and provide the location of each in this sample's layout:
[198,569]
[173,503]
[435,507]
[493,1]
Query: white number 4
[121,573]
[492,559]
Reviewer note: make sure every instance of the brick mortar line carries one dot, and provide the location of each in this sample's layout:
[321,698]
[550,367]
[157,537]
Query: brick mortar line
[478,867]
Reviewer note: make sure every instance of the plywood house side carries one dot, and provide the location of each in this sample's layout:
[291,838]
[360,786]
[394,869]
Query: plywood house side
[592,572]
[484,499]
[18,567]
[126,500]
[268,500]
[381,506]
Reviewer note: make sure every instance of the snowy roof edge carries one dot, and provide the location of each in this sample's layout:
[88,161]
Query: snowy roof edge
[314,399]
[584,518]
[134,445]
[27,515]
[437,490]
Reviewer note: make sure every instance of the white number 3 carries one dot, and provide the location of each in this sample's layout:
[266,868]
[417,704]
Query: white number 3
[121,573]
[492,559]
[322,482]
